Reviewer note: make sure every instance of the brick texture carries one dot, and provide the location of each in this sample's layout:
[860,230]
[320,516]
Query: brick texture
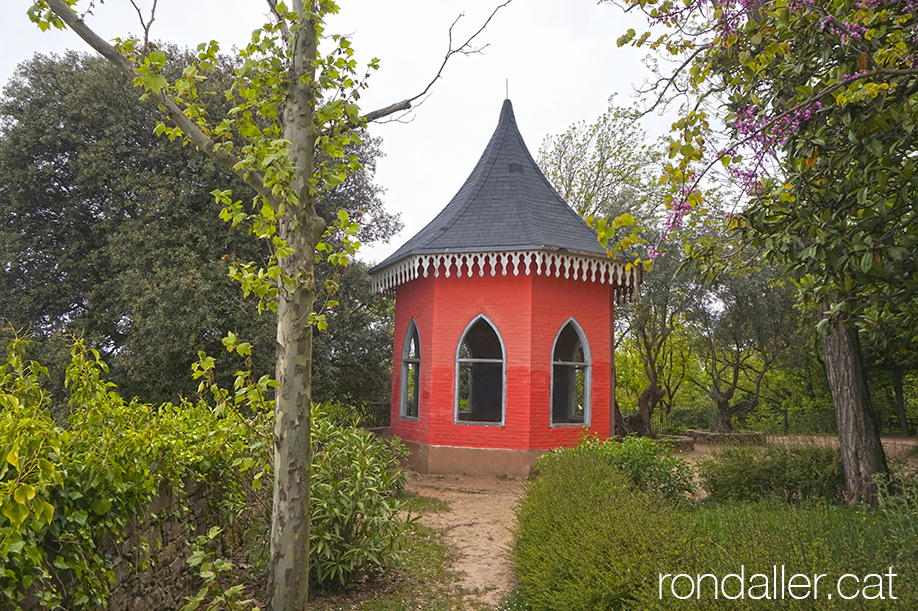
[528,312]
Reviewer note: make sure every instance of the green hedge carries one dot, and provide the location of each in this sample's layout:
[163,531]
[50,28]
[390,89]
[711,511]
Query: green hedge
[575,521]
[588,540]
[808,472]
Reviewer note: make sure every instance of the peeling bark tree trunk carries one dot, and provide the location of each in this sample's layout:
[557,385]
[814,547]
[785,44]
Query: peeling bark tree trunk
[858,434]
[288,583]
[302,229]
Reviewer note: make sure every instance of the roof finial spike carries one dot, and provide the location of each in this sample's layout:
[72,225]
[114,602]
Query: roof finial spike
[507,86]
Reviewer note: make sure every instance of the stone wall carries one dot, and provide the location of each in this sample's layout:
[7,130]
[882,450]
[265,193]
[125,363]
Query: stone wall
[151,568]
[150,564]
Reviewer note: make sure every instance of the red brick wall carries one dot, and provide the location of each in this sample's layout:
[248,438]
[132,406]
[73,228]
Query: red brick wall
[528,312]
[555,301]
[413,302]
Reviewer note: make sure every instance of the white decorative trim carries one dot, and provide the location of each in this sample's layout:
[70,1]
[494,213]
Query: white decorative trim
[605,271]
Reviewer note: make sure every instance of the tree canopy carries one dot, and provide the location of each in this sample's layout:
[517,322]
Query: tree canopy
[811,106]
[112,233]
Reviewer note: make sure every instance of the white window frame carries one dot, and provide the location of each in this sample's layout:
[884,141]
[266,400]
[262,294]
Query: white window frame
[503,381]
[407,362]
[588,376]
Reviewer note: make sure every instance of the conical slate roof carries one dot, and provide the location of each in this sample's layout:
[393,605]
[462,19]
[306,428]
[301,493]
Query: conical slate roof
[506,204]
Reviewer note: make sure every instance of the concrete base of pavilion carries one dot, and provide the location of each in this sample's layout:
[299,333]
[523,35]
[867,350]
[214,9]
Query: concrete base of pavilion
[472,461]
[444,460]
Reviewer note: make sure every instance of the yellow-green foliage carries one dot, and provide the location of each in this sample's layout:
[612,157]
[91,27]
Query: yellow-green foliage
[65,488]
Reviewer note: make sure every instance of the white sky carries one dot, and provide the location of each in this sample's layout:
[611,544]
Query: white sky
[559,57]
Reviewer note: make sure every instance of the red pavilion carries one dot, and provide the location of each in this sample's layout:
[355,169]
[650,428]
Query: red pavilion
[503,321]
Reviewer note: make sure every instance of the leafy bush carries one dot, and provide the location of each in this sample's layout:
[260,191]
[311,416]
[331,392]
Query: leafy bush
[66,489]
[586,538]
[649,464]
[355,523]
[786,474]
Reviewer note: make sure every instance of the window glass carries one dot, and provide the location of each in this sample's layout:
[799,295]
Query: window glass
[411,371]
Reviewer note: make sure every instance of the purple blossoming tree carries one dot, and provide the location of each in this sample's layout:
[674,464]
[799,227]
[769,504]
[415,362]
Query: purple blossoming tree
[811,107]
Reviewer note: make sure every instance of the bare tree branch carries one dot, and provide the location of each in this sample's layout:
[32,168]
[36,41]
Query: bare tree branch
[464,49]
[146,25]
[188,127]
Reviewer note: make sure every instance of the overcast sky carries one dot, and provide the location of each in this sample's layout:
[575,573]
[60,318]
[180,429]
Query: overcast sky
[558,56]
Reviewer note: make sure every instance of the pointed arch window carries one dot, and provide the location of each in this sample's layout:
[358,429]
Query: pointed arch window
[570,377]
[480,373]
[411,373]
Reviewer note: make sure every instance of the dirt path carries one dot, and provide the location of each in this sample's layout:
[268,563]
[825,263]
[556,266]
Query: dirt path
[477,528]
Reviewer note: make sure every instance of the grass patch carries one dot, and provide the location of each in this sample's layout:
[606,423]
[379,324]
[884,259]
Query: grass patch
[423,581]
[416,503]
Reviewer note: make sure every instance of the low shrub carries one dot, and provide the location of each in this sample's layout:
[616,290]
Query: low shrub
[648,463]
[586,538]
[356,528]
[589,540]
[782,473]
